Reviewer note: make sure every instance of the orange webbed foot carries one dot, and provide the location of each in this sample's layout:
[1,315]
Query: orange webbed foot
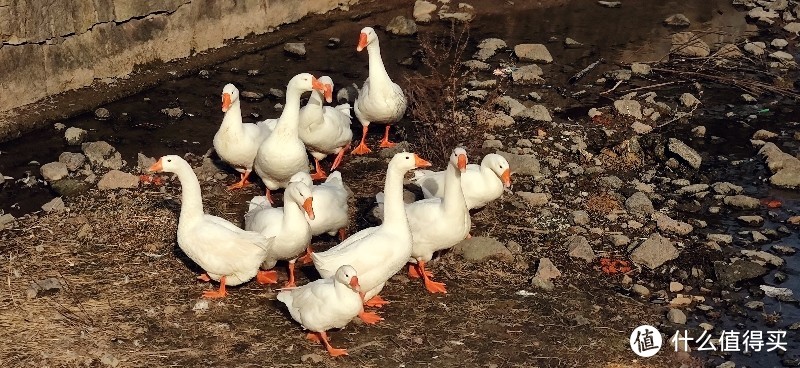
[361,149]
[204,277]
[319,175]
[215,294]
[289,284]
[376,302]
[267,277]
[238,185]
[313,337]
[387,144]
[369,318]
[413,272]
[435,287]
[336,352]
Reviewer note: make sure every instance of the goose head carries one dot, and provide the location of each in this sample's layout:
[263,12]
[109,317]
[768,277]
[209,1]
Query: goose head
[459,159]
[328,82]
[347,275]
[305,82]
[169,163]
[367,37]
[406,161]
[302,177]
[499,165]
[230,94]
[300,193]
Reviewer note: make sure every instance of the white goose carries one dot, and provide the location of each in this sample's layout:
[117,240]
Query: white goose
[283,154]
[324,129]
[225,252]
[377,253]
[235,142]
[288,225]
[380,100]
[481,184]
[325,304]
[330,208]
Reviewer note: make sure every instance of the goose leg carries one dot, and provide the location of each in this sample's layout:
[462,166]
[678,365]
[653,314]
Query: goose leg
[269,197]
[306,259]
[204,277]
[413,272]
[376,302]
[322,337]
[385,142]
[216,294]
[342,234]
[267,277]
[339,157]
[242,183]
[432,286]
[290,283]
[362,148]
[320,173]
[369,318]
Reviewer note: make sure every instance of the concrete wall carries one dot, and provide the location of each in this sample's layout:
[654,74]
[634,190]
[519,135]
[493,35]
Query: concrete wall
[51,46]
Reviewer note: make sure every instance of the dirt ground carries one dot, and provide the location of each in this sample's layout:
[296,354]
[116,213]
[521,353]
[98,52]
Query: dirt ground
[129,296]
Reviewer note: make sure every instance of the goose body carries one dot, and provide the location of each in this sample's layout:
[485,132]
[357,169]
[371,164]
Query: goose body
[225,252]
[325,130]
[481,183]
[330,204]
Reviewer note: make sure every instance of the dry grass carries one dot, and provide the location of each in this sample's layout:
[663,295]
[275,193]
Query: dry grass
[602,203]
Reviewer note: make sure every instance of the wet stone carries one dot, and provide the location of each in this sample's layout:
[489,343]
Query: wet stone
[677,20]
[536,53]
[102,114]
[402,26]
[654,252]
[639,205]
[629,108]
[742,202]
[641,290]
[676,316]
[689,44]
[685,152]
[751,220]
[295,49]
[423,10]
[740,270]
[74,136]
[73,161]
[54,171]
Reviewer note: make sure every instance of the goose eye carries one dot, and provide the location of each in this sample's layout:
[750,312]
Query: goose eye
[169,160]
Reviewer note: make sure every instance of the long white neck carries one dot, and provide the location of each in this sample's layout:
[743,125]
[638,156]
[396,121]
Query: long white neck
[341,288]
[453,201]
[293,216]
[287,123]
[377,71]
[394,211]
[191,197]
[232,121]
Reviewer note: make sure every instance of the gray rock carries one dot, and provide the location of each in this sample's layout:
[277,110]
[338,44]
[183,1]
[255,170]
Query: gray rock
[755,48]
[54,171]
[638,204]
[742,202]
[781,56]
[116,179]
[580,217]
[534,199]
[758,237]
[535,113]
[402,26]
[295,48]
[46,286]
[492,143]
[476,65]
[102,114]
[676,316]
[479,249]
[761,257]
[641,290]
[619,240]
[689,44]
[6,221]
[528,75]
[55,205]
[784,249]
[654,252]
[640,69]
[677,20]
[720,238]
[572,44]
[675,287]
[536,53]
[423,10]
[314,357]
[629,108]
[514,247]
[779,43]
[461,16]
[143,162]
[729,51]
[619,75]
[754,305]
[547,270]
[739,270]
[688,100]
[74,136]
[488,48]
[73,161]
[250,96]
[277,94]
[102,154]
[685,152]
[69,187]
[544,284]
[793,27]
[763,134]
[509,105]
[692,189]
[640,128]
[786,178]
[751,220]
[609,4]
[522,164]
[173,112]
[109,360]
[699,131]
[669,225]
[579,247]
[611,182]
[59,127]
[725,188]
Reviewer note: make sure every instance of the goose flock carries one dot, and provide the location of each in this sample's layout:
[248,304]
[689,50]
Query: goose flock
[355,271]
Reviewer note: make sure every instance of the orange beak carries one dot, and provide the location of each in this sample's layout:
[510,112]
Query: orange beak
[328,93]
[317,85]
[308,208]
[226,102]
[420,162]
[156,167]
[462,162]
[362,42]
[506,178]
[354,283]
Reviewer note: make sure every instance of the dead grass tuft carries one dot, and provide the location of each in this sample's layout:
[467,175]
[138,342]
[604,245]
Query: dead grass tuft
[603,203]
